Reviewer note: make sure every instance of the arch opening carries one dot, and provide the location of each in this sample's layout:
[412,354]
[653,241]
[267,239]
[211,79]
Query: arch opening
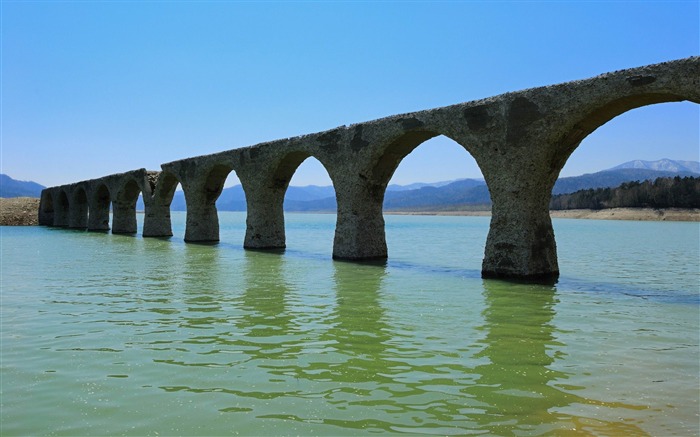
[646,133]
[435,175]
[230,204]
[308,186]
[641,144]
[231,197]
[432,174]
[309,189]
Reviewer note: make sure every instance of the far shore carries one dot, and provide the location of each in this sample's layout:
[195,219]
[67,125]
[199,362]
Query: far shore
[23,211]
[638,214]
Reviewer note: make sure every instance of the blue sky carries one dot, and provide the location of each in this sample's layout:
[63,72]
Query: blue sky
[94,88]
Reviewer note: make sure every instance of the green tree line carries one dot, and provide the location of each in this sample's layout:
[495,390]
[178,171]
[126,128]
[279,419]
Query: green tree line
[674,192]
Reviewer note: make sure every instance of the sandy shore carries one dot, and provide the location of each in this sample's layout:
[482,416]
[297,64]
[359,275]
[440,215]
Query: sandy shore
[639,214]
[19,211]
[23,211]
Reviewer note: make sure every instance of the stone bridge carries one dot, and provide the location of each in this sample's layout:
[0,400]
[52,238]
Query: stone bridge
[520,140]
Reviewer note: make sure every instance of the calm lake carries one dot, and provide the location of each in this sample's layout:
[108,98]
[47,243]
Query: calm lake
[116,335]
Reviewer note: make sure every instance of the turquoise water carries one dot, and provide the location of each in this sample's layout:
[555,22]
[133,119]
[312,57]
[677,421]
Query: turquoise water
[115,335]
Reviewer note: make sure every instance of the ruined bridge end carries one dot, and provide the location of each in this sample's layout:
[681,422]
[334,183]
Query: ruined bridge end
[68,205]
[543,127]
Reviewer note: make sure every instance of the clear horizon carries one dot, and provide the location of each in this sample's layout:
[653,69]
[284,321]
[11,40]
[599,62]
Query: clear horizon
[96,88]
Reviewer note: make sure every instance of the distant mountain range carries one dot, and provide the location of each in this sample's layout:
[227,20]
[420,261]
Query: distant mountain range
[13,188]
[459,194]
[445,195]
[663,165]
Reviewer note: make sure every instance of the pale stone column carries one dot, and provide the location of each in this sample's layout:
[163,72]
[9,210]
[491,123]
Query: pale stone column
[61,210]
[520,243]
[98,220]
[202,224]
[99,200]
[46,208]
[124,217]
[156,220]
[359,229]
[78,215]
[157,198]
[265,218]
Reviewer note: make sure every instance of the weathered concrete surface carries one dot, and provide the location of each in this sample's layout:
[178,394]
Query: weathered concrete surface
[520,140]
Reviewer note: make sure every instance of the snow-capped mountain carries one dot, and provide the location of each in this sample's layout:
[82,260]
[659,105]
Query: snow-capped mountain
[662,165]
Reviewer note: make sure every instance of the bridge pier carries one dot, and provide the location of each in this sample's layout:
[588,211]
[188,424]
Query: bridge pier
[156,220]
[520,243]
[124,217]
[61,217]
[98,220]
[202,225]
[265,218]
[359,229]
[78,216]
[99,201]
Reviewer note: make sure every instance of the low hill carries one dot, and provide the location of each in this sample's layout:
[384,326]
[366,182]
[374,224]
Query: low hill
[469,193]
[667,192]
[13,188]
[438,196]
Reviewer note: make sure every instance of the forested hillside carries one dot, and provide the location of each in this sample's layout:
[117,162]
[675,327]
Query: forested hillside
[674,192]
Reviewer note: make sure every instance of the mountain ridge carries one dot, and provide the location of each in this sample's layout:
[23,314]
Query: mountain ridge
[419,196]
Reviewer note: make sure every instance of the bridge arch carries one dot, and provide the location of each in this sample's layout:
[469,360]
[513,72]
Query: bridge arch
[597,116]
[265,192]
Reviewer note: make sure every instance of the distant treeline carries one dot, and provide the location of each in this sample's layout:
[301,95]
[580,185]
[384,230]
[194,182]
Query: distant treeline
[674,192]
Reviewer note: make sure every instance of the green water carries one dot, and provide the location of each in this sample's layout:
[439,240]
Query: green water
[116,335]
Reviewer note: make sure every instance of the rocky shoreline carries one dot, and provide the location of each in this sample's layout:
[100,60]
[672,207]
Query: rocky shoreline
[23,211]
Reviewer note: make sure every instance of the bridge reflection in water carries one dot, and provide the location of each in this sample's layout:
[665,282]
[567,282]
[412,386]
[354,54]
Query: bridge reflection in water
[346,359]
